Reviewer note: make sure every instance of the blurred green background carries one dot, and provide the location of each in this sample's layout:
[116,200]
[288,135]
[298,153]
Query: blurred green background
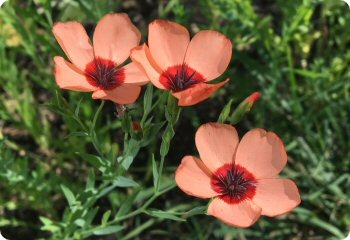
[295,53]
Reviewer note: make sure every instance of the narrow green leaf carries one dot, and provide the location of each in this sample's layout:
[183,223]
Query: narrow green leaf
[45,221]
[105,217]
[225,112]
[124,182]
[90,183]
[69,195]
[196,211]
[80,222]
[155,173]
[108,230]
[127,204]
[77,109]
[94,160]
[164,215]
[48,225]
[127,161]
[147,100]
[131,149]
[164,148]
[166,138]
[77,134]
[90,216]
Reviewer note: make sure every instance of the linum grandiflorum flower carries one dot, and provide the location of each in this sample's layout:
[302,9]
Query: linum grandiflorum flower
[173,62]
[96,68]
[240,176]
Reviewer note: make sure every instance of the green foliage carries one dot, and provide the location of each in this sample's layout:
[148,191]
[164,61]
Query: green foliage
[71,169]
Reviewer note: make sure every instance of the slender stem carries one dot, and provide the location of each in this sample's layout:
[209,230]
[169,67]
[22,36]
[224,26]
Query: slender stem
[146,204]
[139,229]
[82,125]
[92,132]
[134,213]
[160,171]
[174,111]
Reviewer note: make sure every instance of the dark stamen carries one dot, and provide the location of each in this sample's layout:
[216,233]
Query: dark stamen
[180,77]
[103,74]
[233,183]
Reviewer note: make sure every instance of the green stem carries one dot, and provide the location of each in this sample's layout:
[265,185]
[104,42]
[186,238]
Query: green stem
[146,204]
[296,104]
[92,132]
[135,232]
[134,213]
[172,116]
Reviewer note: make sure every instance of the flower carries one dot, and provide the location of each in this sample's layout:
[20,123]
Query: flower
[240,176]
[173,62]
[96,68]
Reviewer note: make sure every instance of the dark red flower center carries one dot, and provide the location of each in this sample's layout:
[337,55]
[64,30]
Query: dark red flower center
[233,183]
[180,77]
[102,73]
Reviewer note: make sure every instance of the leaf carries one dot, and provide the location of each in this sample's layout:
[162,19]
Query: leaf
[94,160]
[77,109]
[118,182]
[164,215]
[155,173]
[127,204]
[131,149]
[105,217]
[196,211]
[69,195]
[90,183]
[225,112]
[48,225]
[77,134]
[127,161]
[150,131]
[124,182]
[90,216]
[172,110]
[166,138]
[108,230]
[147,99]
[80,222]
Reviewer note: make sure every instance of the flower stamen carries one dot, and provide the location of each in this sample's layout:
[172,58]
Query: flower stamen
[180,77]
[102,73]
[233,183]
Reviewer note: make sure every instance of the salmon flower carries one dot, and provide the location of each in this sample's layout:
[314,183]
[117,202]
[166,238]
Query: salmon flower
[240,176]
[97,68]
[173,62]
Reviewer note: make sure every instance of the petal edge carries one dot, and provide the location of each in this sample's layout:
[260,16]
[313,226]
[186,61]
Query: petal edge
[276,196]
[168,42]
[209,53]
[197,93]
[75,42]
[243,214]
[216,144]
[262,153]
[69,77]
[114,37]
[193,178]
[124,94]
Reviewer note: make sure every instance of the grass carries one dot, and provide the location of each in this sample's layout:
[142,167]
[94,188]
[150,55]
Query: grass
[55,185]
